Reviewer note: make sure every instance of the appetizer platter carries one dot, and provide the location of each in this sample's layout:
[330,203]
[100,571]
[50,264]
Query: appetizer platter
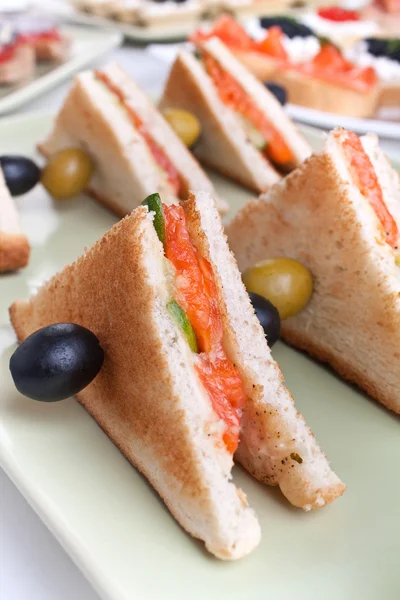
[324,80]
[36,57]
[166,345]
[167,20]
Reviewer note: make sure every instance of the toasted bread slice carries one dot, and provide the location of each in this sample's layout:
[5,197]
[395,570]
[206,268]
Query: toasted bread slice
[224,144]
[94,118]
[319,217]
[14,245]
[147,396]
[276,446]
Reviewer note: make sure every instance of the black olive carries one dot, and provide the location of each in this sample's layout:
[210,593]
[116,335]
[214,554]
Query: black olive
[376,46]
[56,362]
[278,91]
[268,316]
[384,47]
[21,174]
[290,27]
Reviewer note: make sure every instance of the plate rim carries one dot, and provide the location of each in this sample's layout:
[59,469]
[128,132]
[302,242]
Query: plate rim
[319,118]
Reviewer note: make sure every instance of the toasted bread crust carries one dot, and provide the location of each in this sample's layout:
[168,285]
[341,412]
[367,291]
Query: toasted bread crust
[342,367]
[14,251]
[222,145]
[142,395]
[353,319]
[234,176]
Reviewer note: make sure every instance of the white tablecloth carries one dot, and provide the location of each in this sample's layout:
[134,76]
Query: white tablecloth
[33,566]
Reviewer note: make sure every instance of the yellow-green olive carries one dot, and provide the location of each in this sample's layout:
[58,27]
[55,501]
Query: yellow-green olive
[185,125]
[283,281]
[397,259]
[67,173]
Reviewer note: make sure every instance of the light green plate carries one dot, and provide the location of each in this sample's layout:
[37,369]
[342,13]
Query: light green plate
[115,526]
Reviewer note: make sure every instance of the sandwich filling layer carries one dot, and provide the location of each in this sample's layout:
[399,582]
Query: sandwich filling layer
[195,291]
[364,178]
[269,141]
[158,154]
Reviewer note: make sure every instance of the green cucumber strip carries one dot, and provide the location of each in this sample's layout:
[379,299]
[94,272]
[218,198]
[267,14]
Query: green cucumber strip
[254,136]
[154,204]
[177,312]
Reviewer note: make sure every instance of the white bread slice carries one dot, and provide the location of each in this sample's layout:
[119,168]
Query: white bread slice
[319,217]
[14,245]
[147,396]
[192,175]
[223,144]
[263,99]
[125,171]
[276,446]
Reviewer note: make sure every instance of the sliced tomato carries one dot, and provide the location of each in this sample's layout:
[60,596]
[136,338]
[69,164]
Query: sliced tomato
[330,57]
[233,95]
[228,31]
[158,153]
[272,44]
[213,377]
[336,13]
[364,176]
[196,292]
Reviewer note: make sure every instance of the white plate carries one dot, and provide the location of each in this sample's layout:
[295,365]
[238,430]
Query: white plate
[164,32]
[111,521]
[318,118]
[167,32]
[87,45]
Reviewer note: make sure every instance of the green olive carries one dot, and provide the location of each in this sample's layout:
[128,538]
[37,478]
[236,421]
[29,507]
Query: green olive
[283,281]
[185,125]
[67,173]
[397,259]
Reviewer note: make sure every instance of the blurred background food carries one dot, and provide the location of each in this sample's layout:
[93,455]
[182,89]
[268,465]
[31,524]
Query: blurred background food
[335,59]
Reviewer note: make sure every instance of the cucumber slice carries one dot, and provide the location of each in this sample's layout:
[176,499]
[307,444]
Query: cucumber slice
[179,315]
[154,204]
[254,136]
